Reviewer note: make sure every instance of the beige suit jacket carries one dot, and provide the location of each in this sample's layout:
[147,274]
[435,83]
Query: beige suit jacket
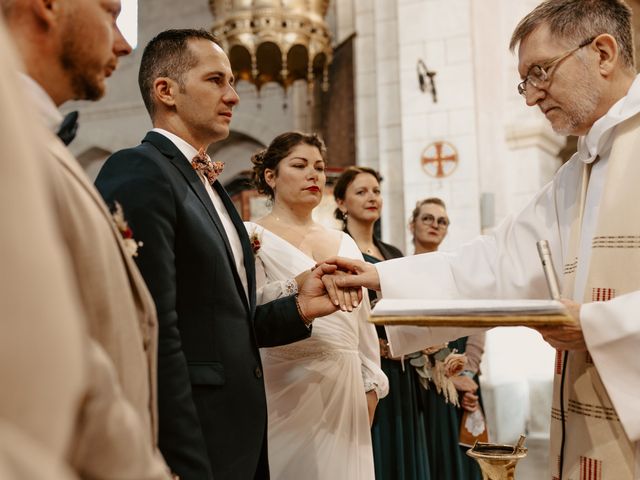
[21,457]
[62,412]
[61,398]
[43,361]
[119,309]
[121,319]
[43,368]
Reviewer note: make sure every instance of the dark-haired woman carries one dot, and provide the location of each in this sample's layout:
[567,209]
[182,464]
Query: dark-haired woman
[322,391]
[398,433]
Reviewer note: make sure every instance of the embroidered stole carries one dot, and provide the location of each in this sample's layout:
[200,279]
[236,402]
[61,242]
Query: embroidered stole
[596,446]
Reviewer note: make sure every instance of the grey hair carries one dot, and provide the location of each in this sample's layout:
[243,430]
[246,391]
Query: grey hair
[577,20]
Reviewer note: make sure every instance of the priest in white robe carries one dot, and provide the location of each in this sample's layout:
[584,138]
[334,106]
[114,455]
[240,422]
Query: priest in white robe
[576,63]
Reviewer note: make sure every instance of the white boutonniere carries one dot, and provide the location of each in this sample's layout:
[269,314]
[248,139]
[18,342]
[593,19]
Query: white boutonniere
[130,244]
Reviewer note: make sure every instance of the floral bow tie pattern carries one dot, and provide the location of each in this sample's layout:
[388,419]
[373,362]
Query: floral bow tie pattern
[202,163]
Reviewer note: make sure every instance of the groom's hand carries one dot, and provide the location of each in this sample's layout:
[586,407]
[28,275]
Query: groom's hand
[312,296]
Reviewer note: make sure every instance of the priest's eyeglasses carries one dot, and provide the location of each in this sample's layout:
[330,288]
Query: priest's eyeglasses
[538,75]
[429,219]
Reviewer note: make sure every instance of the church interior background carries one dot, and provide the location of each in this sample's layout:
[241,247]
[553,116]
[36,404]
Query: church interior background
[422,90]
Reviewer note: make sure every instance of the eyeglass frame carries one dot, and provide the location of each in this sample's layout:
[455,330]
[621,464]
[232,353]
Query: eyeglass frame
[522,86]
[437,221]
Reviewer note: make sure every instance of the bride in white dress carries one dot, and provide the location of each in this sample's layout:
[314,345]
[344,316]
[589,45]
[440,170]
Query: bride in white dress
[322,391]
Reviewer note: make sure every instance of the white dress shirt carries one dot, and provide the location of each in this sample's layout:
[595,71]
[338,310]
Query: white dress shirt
[43,103]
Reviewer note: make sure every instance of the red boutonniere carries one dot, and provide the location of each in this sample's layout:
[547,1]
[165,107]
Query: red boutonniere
[130,245]
[255,241]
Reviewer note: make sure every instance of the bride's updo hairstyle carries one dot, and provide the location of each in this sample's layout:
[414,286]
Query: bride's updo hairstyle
[280,147]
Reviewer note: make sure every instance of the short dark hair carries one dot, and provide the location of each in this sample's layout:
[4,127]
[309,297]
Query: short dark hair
[578,20]
[168,55]
[345,179]
[279,148]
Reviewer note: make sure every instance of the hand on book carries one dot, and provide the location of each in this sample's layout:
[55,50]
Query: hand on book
[566,337]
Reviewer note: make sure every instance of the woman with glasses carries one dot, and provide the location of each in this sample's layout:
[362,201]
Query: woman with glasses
[398,432]
[429,224]
[452,392]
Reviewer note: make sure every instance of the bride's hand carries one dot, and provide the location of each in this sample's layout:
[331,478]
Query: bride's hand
[345,298]
[312,295]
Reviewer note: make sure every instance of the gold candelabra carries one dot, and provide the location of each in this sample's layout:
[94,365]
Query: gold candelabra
[277,41]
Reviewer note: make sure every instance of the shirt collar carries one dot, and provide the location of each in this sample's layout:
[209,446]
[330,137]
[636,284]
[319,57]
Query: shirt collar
[43,103]
[600,137]
[188,150]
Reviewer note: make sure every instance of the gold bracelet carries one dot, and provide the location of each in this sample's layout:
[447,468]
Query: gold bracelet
[307,321]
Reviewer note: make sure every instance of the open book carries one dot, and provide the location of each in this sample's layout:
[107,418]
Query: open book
[469,313]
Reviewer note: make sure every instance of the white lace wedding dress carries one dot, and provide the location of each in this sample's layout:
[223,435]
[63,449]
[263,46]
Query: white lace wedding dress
[318,421]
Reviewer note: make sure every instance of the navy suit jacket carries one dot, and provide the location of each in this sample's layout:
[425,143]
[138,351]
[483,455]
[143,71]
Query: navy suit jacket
[212,406]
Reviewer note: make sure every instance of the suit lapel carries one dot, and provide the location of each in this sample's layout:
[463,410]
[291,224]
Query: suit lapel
[178,160]
[60,152]
[67,160]
[141,295]
[247,252]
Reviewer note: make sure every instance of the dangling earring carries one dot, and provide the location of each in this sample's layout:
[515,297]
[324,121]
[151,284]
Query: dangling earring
[345,215]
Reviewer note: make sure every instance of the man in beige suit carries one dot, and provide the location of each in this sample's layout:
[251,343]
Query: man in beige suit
[44,374]
[62,413]
[69,47]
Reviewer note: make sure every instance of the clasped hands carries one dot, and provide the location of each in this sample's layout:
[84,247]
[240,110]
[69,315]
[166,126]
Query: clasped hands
[334,284]
[468,390]
[338,281]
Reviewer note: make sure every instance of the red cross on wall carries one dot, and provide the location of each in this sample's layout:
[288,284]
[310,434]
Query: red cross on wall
[439,159]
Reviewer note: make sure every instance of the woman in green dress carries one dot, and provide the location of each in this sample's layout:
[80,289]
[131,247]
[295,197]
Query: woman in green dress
[446,395]
[398,431]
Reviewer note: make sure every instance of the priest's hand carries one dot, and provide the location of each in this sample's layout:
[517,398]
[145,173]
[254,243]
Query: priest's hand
[362,274]
[566,337]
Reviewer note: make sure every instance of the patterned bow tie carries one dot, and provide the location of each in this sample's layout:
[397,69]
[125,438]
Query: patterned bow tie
[202,163]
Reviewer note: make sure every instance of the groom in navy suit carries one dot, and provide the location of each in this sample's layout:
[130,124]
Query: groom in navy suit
[198,263]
